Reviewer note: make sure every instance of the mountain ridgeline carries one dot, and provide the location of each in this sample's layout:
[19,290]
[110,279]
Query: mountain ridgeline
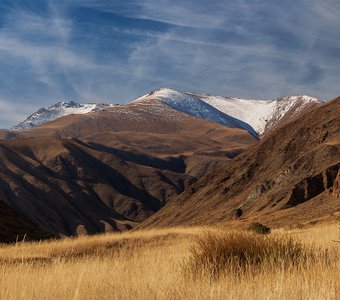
[58,110]
[255,116]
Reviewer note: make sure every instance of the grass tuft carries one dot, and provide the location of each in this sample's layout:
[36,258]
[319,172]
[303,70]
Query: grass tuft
[216,253]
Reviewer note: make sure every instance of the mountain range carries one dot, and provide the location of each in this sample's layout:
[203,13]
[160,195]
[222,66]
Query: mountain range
[167,158]
[255,116]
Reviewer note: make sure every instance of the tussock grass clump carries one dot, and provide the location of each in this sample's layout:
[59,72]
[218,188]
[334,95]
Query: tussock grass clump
[217,253]
[259,228]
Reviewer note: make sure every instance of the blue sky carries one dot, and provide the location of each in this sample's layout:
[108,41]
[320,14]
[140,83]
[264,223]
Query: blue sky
[115,51]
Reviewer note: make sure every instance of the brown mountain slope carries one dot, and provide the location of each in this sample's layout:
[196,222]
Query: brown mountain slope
[291,176]
[108,170]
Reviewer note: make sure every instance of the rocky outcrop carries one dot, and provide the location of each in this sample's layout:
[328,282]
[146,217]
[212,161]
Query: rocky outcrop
[313,186]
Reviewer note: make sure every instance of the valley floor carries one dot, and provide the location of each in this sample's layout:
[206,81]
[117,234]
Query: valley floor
[149,265]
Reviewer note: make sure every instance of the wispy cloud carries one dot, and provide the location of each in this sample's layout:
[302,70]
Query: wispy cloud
[40,48]
[92,50]
[11,114]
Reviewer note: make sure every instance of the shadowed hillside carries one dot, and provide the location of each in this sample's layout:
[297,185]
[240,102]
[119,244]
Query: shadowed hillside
[14,227]
[112,169]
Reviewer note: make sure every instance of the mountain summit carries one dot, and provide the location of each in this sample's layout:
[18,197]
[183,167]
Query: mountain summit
[256,116]
[193,105]
[58,110]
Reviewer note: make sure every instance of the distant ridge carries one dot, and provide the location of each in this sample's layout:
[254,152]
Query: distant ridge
[262,115]
[255,116]
[58,110]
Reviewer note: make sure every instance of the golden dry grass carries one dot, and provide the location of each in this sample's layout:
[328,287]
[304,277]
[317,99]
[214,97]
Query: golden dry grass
[149,265]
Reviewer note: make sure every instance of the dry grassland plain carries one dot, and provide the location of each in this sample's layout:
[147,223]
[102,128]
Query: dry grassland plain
[153,264]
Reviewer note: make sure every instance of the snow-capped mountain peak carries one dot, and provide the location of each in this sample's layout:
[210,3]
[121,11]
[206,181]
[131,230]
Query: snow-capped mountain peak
[192,105]
[58,110]
[66,104]
[256,116]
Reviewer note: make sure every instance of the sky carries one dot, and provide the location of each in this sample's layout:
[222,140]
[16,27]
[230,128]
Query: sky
[115,51]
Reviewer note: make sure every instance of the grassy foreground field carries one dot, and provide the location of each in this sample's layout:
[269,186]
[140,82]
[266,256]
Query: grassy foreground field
[152,265]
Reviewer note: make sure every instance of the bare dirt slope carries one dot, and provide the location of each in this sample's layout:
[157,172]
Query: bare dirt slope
[111,169]
[291,176]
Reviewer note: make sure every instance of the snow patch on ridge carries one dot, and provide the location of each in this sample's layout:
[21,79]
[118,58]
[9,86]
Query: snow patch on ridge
[58,110]
[260,114]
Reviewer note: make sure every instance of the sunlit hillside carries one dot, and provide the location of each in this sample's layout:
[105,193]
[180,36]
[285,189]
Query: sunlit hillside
[154,265]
